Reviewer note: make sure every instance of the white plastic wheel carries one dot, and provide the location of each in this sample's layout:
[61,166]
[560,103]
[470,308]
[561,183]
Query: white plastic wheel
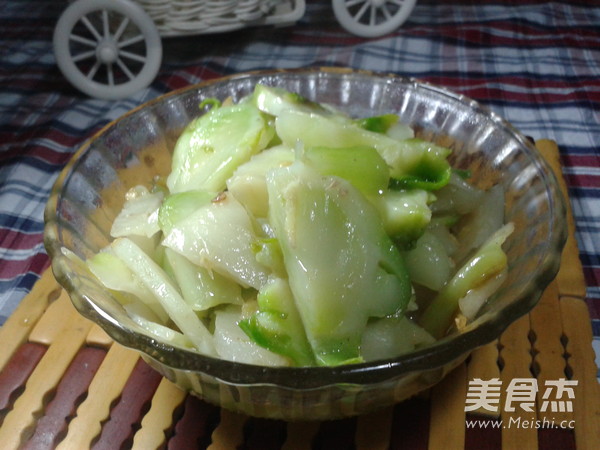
[107,49]
[372,18]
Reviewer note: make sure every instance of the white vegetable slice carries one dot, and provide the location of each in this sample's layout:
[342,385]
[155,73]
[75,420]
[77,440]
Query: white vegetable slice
[428,263]
[115,275]
[392,336]
[219,237]
[471,303]
[157,281]
[317,130]
[342,266]
[482,222]
[200,288]
[212,146]
[248,184]
[234,345]
[139,215]
[457,197]
[156,330]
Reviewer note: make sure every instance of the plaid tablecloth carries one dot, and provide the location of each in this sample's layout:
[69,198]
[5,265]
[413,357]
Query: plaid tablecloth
[536,63]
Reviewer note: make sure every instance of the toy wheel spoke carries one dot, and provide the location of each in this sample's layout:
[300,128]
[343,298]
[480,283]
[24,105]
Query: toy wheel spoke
[82,40]
[105,24]
[121,29]
[386,12]
[125,69]
[133,56]
[91,28]
[110,75]
[84,55]
[131,41]
[93,70]
[373,16]
[361,12]
[351,3]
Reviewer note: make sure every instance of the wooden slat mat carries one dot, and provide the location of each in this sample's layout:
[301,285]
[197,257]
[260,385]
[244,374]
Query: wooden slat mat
[65,384]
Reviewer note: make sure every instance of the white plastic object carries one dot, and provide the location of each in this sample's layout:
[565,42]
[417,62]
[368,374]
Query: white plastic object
[372,18]
[195,17]
[108,49]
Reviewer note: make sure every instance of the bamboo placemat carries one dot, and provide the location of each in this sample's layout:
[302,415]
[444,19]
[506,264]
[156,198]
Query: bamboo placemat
[65,384]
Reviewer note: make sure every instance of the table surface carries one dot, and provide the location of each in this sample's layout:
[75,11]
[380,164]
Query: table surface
[535,63]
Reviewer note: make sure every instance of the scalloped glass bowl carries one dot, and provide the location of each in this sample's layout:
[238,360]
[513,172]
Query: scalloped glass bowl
[133,149]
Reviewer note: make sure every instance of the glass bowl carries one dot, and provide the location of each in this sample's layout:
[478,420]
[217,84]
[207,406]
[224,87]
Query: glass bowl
[134,148]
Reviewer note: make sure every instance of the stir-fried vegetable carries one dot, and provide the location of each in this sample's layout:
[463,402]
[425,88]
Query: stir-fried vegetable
[277,325]
[289,233]
[487,262]
[342,266]
[215,144]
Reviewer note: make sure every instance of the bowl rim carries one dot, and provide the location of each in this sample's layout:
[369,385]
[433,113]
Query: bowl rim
[433,357]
